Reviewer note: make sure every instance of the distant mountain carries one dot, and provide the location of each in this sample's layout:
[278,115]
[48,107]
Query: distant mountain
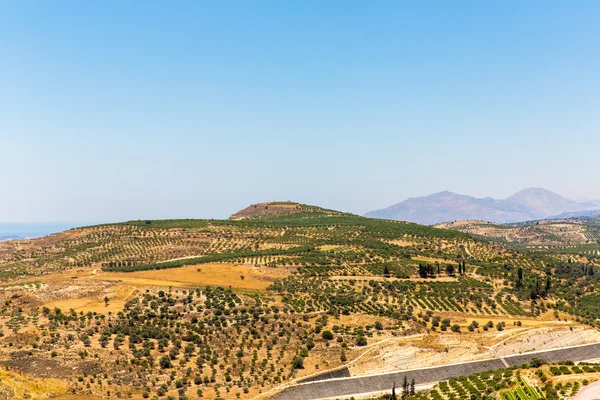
[9,237]
[525,205]
[545,202]
[577,214]
[29,230]
[591,203]
[448,206]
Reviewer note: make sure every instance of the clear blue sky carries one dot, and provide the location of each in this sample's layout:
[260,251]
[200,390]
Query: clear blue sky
[115,110]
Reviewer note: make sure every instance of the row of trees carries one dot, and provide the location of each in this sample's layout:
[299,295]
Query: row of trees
[429,271]
[408,389]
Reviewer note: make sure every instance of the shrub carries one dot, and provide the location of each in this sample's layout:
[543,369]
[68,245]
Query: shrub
[298,363]
[327,335]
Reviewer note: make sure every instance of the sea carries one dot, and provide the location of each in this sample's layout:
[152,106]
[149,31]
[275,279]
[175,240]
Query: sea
[31,230]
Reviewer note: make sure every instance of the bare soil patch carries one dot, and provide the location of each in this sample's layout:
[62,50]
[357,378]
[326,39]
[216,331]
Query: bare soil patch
[239,276]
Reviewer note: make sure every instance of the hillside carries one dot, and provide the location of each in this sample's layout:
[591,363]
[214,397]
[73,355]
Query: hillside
[526,205]
[241,308]
[569,235]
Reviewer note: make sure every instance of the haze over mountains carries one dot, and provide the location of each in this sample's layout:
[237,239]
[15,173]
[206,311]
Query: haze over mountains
[27,230]
[525,205]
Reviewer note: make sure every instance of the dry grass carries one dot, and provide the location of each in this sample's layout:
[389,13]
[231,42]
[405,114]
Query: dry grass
[403,243]
[25,387]
[124,286]
[234,275]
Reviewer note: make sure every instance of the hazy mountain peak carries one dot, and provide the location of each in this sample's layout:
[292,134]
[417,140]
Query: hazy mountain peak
[527,204]
[537,192]
[544,201]
[445,193]
[448,206]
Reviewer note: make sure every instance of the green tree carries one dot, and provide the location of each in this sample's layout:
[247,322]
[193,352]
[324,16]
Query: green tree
[327,335]
[298,363]
[165,362]
[520,277]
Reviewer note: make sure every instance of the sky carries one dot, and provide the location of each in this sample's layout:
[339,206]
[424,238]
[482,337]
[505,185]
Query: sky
[120,110]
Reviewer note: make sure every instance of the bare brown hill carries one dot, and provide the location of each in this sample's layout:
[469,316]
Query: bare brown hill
[277,208]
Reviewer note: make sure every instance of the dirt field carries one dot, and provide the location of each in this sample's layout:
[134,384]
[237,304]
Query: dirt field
[237,276]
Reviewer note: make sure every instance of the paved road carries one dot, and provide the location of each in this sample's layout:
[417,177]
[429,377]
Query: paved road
[340,387]
[589,392]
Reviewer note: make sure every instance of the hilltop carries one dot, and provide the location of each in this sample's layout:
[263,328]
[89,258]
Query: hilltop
[526,205]
[545,203]
[280,208]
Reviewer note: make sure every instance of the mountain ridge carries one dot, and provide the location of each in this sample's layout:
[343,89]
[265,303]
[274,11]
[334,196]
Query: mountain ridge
[445,206]
[577,214]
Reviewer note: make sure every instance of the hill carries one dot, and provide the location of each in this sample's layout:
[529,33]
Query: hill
[244,307]
[570,235]
[526,205]
[279,208]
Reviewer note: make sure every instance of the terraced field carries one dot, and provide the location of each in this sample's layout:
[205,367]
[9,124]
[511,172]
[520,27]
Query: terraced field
[556,234]
[239,308]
